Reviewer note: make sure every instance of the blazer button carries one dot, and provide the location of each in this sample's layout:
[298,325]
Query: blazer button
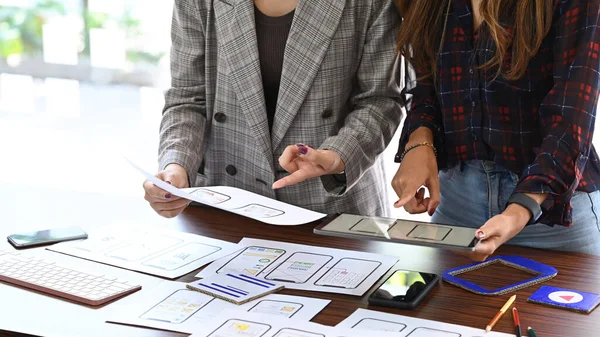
[327,113]
[231,170]
[220,117]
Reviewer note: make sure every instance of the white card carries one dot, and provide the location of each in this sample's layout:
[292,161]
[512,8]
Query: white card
[235,288]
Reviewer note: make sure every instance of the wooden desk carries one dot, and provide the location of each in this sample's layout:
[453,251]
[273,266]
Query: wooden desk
[24,206]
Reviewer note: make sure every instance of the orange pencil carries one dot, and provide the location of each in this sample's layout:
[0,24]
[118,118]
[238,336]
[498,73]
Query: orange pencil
[507,305]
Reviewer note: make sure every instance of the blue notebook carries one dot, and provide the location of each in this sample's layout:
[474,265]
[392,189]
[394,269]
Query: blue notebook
[568,299]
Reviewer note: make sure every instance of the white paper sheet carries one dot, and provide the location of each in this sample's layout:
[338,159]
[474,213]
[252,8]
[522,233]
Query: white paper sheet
[244,324]
[163,253]
[173,307]
[305,267]
[241,202]
[369,320]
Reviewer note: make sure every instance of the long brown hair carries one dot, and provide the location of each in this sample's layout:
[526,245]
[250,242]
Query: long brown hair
[529,21]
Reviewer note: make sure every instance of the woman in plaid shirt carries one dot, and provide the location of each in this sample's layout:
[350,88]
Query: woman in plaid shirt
[502,103]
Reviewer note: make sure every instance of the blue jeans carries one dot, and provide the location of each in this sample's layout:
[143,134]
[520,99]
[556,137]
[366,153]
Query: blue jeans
[474,191]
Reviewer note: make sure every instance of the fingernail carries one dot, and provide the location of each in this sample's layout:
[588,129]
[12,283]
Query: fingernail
[168,196]
[480,235]
[302,148]
[168,182]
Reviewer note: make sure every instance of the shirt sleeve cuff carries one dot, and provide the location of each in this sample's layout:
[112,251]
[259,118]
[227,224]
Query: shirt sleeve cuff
[556,210]
[334,183]
[180,158]
[348,148]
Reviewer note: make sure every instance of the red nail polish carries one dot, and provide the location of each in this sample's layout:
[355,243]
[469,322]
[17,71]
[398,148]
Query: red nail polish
[480,235]
[168,182]
[168,196]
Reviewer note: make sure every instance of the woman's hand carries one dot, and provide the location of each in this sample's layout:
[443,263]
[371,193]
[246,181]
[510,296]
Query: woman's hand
[163,202]
[303,162]
[499,229]
[418,168]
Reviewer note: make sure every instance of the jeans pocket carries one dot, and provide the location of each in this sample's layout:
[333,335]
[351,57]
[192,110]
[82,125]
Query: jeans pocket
[595,201]
[448,173]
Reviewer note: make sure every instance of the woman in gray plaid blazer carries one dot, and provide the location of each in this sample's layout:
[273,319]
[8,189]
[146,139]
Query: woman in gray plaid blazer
[336,110]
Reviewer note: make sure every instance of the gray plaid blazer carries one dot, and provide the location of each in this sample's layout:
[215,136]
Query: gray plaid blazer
[339,91]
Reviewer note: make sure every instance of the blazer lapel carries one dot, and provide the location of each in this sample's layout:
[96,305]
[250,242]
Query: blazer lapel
[236,31]
[315,23]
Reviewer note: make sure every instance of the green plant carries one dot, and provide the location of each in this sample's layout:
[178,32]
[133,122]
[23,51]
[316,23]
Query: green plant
[131,26]
[21,28]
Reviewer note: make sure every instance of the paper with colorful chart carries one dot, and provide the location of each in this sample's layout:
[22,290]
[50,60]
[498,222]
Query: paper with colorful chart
[165,253]
[305,267]
[173,307]
[402,326]
[241,202]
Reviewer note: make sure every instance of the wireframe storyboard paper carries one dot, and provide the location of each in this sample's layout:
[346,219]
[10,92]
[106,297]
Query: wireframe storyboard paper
[173,307]
[241,202]
[163,253]
[305,267]
[369,320]
[238,324]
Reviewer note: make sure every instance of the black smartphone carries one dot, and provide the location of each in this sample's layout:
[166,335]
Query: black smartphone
[404,289]
[49,236]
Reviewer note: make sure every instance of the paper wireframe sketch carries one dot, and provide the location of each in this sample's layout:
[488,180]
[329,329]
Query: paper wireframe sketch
[173,307]
[165,253]
[305,267]
[239,323]
[369,320]
[240,202]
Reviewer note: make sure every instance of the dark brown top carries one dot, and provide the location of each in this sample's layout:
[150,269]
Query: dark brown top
[272,34]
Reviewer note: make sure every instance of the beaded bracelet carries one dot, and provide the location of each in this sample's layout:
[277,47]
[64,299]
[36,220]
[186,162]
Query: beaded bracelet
[417,145]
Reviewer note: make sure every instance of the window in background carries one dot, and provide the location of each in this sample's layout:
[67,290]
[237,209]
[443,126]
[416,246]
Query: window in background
[81,85]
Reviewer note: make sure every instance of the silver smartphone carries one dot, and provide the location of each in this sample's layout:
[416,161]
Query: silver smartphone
[44,237]
[400,231]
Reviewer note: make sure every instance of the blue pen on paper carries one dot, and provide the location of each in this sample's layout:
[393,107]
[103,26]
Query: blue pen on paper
[235,288]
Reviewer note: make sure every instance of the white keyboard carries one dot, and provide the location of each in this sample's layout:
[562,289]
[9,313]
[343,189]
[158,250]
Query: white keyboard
[50,278]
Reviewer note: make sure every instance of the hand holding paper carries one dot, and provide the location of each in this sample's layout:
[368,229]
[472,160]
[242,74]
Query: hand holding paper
[163,202]
[238,201]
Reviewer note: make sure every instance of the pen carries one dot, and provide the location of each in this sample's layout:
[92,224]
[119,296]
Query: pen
[531,332]
[496,318]
[515,313]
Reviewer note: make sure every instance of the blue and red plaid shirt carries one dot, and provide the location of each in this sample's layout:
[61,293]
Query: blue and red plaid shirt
[539,126]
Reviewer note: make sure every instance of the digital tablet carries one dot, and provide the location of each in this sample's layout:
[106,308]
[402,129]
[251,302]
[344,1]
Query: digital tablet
[400,231]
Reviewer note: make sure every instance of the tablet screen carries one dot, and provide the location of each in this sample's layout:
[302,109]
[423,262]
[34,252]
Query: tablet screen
[402,231]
